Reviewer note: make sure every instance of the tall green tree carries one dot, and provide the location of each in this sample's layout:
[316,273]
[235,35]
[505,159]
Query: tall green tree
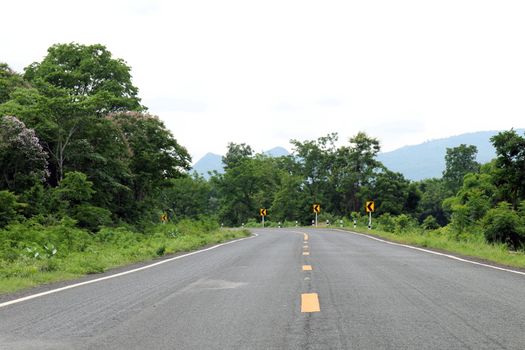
[315,159]
[390,191]
[71,88]
[245,188]
[510,162]
[156,156]
[236,154]
[354,167]
[459,161]
[89,74]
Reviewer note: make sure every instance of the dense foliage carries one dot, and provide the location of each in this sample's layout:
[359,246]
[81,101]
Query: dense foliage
[80,157]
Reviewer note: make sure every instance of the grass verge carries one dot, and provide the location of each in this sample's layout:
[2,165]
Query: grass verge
[475,247]
[27,264]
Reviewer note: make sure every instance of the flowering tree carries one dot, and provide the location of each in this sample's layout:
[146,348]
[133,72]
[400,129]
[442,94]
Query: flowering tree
[22,159]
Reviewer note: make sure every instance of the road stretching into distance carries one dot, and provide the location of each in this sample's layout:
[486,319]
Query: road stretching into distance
[283,289]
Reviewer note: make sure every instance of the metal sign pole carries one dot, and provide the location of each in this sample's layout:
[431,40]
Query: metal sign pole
[315,219]
[263,220]
[369,220]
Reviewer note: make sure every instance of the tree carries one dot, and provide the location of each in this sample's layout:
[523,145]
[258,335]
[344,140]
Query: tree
[87,71]
[23,162]
[459,161]
[433,193]
[354,167]
[291,202]
[70,90]
[156,156]
[236,153]
[73,196]
[315,160]
[188,197]
[510,164]
[390,191]
[245,188]
[9,82]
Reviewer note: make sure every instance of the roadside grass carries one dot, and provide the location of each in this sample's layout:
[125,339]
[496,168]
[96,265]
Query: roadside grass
[90,254]
[474,246]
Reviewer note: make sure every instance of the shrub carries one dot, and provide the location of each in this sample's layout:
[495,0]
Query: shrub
[502,224]
[430,223]
[8,207]
[386,222]
[91,217]
[403,223]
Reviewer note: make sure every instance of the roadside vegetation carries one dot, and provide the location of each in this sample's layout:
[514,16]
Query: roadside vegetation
[445,240]
[34,254]
[87,175]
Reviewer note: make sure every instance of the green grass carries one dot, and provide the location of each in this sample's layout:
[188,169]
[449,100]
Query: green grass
[474,246]
[111,248]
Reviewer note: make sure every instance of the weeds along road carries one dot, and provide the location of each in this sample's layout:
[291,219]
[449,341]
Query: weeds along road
[284,289]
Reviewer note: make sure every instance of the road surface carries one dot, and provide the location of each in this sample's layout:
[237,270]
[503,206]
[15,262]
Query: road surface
[283,289]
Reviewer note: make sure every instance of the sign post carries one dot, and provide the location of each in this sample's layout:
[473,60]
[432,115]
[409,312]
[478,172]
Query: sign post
[263,212]
[370,208]
[317,210]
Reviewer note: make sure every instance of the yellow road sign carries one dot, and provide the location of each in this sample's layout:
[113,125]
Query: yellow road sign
[164,218]
[370,206]
[317,208]
[263,212]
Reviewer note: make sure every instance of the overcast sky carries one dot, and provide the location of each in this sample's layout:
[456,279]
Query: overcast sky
[265,72]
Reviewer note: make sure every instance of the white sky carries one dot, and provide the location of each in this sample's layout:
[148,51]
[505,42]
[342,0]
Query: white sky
[264,72]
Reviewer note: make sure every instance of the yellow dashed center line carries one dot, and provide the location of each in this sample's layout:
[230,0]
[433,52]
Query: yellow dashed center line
[310,302]
[305,247]
[307,267]
[305,237]
[306,253]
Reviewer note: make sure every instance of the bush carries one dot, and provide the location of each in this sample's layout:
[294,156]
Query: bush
[63,237]
[403,223]
[8,207]
[430,223]
[91,217]
[502,224]
[386,222]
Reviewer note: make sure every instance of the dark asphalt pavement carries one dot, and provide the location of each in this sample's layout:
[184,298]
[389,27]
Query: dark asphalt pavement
[247,295]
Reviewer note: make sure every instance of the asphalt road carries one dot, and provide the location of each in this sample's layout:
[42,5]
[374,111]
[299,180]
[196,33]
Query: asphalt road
[254,294]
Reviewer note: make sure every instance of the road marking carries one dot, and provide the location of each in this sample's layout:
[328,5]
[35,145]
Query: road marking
[307,267]
[305,247]
[436,253]
[305,236]
[310,302]
[29,297]
[306,253]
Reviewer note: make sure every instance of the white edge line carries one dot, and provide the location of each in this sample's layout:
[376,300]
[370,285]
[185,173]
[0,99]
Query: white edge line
[29,297]
[435,253]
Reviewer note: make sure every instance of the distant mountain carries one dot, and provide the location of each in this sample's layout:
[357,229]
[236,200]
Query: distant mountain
[212,161]
[209,162]
[277,152]
[427,160]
